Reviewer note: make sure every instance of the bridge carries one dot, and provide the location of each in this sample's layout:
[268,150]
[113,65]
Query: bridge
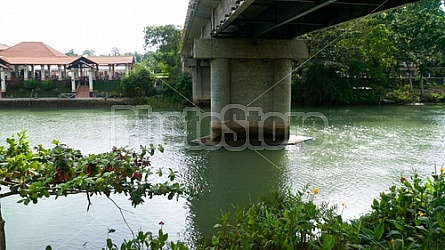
[240,55]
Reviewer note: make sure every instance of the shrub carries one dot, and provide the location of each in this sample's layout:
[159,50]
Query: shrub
[30,83]
[139,82]
[179,89]
[47,84]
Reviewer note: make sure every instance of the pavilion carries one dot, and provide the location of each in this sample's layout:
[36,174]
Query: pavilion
[37,60]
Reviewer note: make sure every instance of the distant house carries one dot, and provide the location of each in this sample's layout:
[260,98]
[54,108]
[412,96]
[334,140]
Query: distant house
[37,60]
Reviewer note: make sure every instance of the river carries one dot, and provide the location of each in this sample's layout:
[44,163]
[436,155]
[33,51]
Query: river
[357,154]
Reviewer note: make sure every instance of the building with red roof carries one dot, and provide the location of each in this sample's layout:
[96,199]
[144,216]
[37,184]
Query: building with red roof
[40,61]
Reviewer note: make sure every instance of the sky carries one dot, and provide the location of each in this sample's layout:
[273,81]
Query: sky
[80,25]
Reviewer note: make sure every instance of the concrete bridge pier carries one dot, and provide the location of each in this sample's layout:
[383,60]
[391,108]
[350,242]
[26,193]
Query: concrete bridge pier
[250,88]
[200,71]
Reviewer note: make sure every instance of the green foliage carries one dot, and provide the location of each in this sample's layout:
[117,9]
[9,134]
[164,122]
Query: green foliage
[179,89]
[139,82]
[412,215]
[403,95]
[113,88]
[30,83]
[71,53]
[47,84]
[41,172]
[325,83]
[369,52]
[435,98]
[146,240]
[280,221]
[166,40]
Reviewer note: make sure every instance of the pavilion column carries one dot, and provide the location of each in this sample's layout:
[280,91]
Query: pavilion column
[127,69]
[33,72]
[65,72]
[49,71]
[8,73]
[3,83]
[110,76]
[25,72]
[60,72]
[17,71]
[73,80]
[112,71]
[42,72]
[90,81]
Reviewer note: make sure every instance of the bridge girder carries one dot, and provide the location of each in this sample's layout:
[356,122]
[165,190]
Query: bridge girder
[273,19]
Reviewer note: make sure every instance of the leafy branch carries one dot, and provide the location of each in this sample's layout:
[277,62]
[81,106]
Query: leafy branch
[34,173]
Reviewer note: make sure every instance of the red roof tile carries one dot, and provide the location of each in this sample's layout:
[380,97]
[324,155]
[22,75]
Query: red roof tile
[39,60]
[105,60]
[31,49]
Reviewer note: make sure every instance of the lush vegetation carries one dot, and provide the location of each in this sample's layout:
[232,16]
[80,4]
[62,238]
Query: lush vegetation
[107,88]
[46,88]
[139,82]
[37,172]
[382,54]
[410,215]
[156,79]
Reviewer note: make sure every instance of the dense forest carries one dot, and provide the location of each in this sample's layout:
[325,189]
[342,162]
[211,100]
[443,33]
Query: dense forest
[395,56]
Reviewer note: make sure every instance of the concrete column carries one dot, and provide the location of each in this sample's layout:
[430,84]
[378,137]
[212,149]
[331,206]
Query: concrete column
[220,95]
[73,81]
[33,72]
[17,71]
[90,81]
[60,72]
[200,71]
[25,72]
[112,71]
[49,72]
[250,88]
[42,72]
[8,73]
[3,83]
[110,76]
[127,69]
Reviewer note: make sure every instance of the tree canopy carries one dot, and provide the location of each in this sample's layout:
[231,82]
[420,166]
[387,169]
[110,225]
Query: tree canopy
[370,52]
[166,42]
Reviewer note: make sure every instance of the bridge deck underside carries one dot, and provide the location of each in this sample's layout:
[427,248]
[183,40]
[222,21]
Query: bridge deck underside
[275,19]
[288,19]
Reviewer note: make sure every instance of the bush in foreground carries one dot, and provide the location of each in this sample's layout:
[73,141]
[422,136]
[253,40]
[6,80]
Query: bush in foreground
[410,215]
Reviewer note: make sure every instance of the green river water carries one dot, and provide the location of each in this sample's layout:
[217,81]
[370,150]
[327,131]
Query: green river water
[358,153]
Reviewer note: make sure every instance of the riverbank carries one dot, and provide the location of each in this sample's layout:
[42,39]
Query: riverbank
[61,102]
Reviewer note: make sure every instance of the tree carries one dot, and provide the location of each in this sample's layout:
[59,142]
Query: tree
[166,42]
[89,53]
[35,173]
[179,89]
[139,82]
[115,52]
[138,58]
[418,34]
[71,53]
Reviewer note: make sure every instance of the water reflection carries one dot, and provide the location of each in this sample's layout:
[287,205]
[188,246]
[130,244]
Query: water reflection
[230,178]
